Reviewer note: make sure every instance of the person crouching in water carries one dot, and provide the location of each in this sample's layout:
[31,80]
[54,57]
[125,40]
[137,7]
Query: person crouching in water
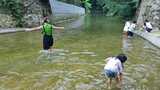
[113,69]
[47,31]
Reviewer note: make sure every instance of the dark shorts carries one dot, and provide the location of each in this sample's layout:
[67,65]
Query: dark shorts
[148,29]
[110,74]
[129,33]
[47,42]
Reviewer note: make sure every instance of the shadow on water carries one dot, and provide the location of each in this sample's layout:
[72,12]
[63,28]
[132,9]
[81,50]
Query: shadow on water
[78,57]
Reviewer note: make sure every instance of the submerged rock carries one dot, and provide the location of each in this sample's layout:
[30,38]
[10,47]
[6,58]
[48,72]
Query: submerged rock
[83,86]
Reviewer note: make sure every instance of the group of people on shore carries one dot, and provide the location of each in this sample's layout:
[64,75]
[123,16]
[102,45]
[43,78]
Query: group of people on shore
[131,26]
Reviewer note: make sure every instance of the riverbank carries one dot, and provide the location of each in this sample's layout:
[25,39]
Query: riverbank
[153,37]
[14,30]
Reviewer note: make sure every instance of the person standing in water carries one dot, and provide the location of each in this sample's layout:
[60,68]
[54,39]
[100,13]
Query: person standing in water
[113,69]
[47,31]
[132,28]
[126,28]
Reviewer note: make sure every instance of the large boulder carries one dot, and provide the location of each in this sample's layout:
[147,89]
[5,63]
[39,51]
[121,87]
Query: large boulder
[150,9]
[7,21]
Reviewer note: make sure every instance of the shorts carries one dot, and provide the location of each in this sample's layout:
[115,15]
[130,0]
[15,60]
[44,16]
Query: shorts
[47,42]
[110,74]
[148,29]
[129,33]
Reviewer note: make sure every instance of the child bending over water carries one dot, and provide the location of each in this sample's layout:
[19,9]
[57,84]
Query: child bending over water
[113,69]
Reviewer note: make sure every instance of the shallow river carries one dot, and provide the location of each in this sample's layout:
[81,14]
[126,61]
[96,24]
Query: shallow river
[78,57]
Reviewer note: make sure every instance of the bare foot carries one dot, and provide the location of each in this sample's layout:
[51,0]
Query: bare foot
[109,87]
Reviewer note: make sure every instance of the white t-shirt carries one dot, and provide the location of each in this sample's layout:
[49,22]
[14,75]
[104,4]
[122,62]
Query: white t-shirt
[132,27]
[114,64]
[126,27]
[148,25]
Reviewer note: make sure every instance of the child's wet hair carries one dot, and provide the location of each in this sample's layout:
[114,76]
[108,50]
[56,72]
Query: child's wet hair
[122,57]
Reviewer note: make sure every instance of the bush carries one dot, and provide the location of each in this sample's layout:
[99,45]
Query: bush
[124,8]
[16,8]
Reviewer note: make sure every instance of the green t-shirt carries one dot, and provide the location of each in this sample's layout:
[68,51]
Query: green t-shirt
[47,29]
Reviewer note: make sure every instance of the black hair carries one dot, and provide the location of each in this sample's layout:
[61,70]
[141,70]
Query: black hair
[134,22]
[122,58]
[146,20]
[45,19]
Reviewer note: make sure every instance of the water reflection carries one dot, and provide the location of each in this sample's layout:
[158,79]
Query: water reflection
[127,44]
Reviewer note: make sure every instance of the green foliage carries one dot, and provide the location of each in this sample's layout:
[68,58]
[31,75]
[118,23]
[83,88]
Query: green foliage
[16,8]
[124,8]
[87,5]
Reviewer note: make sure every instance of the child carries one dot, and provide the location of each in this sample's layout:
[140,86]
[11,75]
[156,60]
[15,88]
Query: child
[126,28]
[147,26]
[47,31]
[131,28]
[114,68]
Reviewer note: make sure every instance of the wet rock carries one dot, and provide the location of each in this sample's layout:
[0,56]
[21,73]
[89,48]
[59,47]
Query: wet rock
[6,21]
[150,9]
[32,20]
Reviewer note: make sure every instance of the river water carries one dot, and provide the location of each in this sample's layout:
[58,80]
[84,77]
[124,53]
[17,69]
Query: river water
[78,57]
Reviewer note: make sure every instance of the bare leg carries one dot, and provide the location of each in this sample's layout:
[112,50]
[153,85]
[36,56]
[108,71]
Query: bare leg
[50,50]
[109,83]
[119,80]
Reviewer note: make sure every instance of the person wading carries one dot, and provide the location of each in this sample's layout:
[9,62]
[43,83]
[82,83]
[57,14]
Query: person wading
[47,31]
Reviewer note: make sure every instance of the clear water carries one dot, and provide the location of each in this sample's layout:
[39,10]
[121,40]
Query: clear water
[78,58]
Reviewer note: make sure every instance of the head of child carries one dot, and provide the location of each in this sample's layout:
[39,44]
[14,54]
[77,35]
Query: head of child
[134,22]
[46,20]
[146,20]
[122,58]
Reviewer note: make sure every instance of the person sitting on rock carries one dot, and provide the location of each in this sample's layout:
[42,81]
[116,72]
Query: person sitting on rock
[147,26]
[113,69]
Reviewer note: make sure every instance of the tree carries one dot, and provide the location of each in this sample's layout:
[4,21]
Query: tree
[87,5]
[16,8]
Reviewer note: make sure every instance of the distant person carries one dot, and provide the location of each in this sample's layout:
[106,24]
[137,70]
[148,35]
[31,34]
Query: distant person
[113,69]
[126,28]
[147,26]
[47,31]
[132,27]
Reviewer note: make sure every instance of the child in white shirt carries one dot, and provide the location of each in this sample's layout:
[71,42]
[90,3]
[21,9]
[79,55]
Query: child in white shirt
[114,68]
[126,27]
[147,26]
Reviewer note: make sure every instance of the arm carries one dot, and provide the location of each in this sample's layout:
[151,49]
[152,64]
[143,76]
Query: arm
[120,68]
[55,27]
[33,29]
